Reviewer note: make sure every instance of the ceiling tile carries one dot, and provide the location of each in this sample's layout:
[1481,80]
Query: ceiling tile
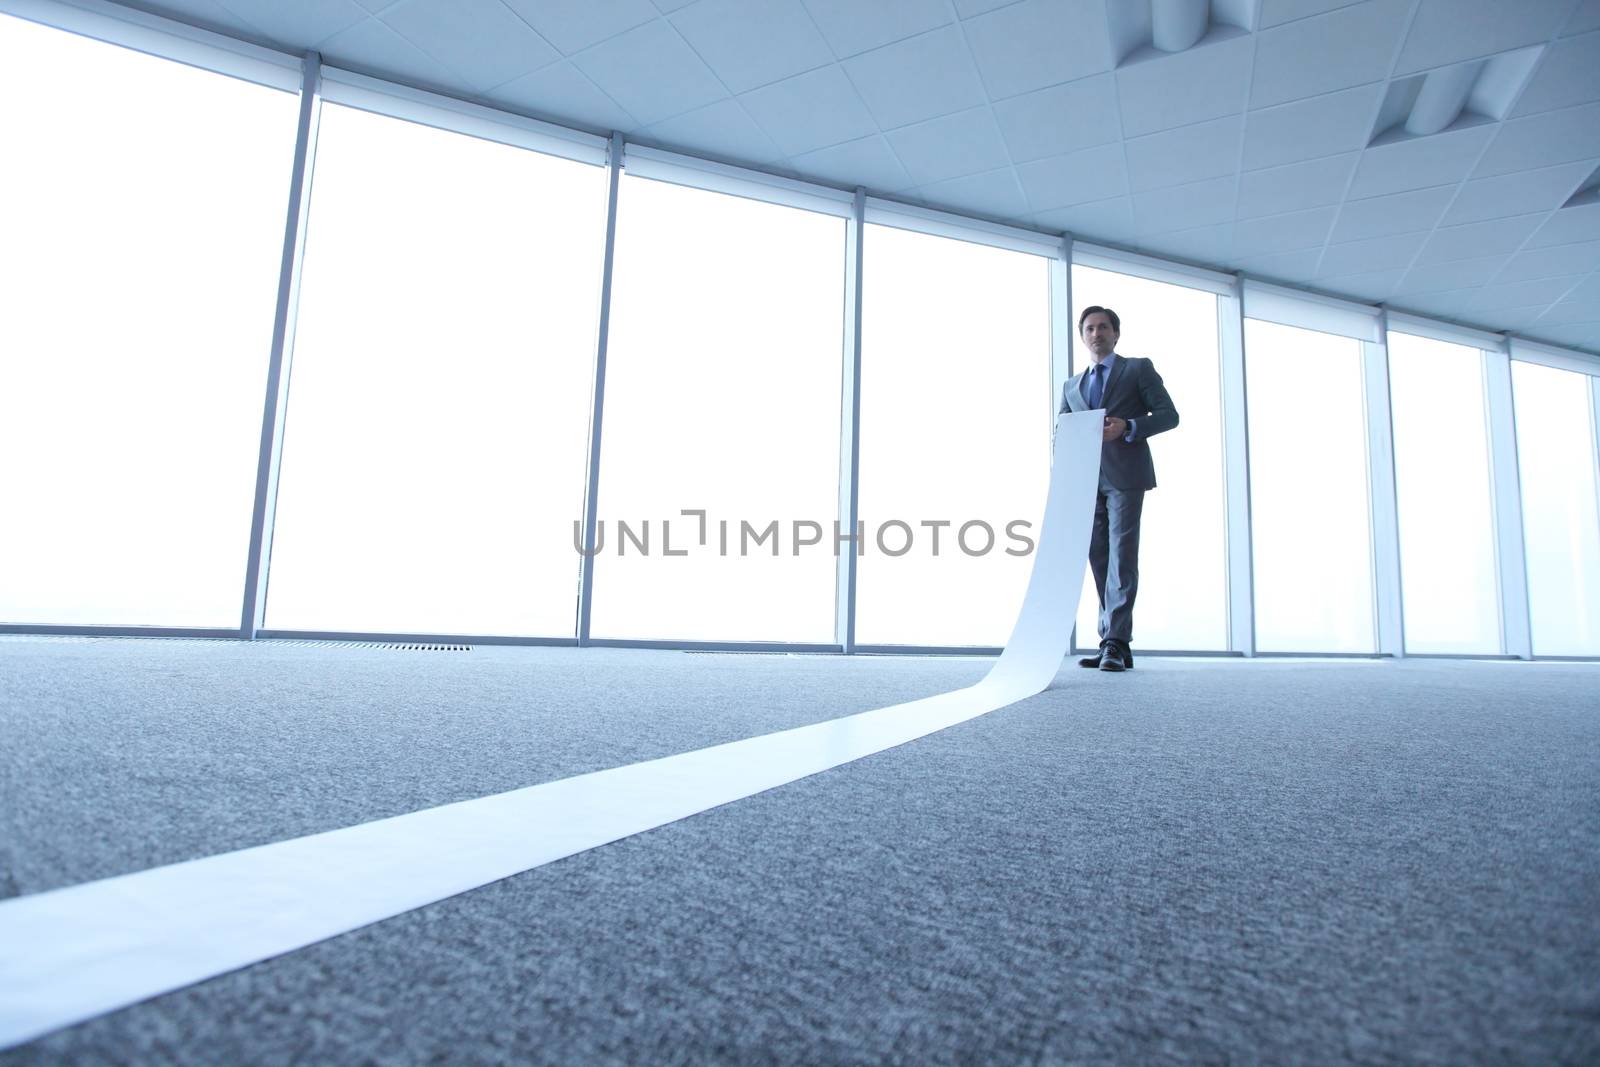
[209,15]
[1448,31]
[1395,213]
[1209,244]
[1544,140]
[1551,262]
[1375,285]
[1442,159]
[1515,319]
[1518,193]
[1585,336]
[1568,225]
[651,72]
[810,111]
[1502,295]
[722,129]
[916,79]
[1441,277]
[1187,154]
[1185,206]
[1102,220]
[1445,305]
[1348,47]
[1035,43]
[1568,312]
[1283,233]
[371,47]
[1322,126]
[1202,83]
[1060,119]
[479,39]
[867,161]
[750,43]
[995,194]
[1375,253]
[851,26]
[561,92]
[953,146]
[299,22]
[1299,266]
[573,25]
[1274,12]
[1584,19]
[1076,178]
[1315,183]
[1478,238]
[1568,74]
[1588,289]
[968,8]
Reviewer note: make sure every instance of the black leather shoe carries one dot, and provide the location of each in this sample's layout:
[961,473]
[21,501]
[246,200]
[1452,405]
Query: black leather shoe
[1111,659]
[1090,661]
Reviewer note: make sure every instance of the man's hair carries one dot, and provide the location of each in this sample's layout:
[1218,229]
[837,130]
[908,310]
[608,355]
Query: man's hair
[1116,323]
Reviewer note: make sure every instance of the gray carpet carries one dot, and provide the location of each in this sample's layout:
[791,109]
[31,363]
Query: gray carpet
[1200,861]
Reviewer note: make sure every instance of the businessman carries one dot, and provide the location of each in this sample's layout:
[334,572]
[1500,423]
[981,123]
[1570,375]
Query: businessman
[1137,408]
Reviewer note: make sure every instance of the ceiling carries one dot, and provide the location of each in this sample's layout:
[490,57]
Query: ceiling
[1290,142]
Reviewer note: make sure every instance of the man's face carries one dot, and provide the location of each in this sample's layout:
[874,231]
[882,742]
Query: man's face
[1100,335]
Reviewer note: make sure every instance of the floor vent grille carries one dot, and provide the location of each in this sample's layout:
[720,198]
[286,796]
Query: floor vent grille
[399,646]
[734,652]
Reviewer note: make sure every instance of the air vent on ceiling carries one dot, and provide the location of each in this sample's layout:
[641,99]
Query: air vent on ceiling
[1143,30]
[1456,97]
[1588,193]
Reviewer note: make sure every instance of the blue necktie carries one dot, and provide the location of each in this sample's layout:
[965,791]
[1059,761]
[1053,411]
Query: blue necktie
[1096,384]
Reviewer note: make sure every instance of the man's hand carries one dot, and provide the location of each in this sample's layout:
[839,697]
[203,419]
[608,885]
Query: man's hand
[1115,429]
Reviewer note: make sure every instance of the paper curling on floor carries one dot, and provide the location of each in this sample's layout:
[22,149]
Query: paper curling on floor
[71,954]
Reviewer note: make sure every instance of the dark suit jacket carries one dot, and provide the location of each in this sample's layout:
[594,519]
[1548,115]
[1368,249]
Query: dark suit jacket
[1133,392]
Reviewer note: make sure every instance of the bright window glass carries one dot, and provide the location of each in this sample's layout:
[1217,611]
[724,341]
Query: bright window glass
[955,429]
[142,206]
[1311,526]
[722,397]
[1183,565]
[437,422]
[1441,464]
[1561,520]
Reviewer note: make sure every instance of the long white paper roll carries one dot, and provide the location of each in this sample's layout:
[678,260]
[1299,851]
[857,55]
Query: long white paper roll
[71,954]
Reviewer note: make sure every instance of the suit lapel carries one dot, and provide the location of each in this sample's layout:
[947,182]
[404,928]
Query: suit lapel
[1112,379]
[1077,387]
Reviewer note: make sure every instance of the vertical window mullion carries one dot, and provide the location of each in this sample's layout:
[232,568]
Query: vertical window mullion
[1515,624]
[850,425]
[598,397]
[270,462]
[1387,603]
[1062,331]
[1236,460]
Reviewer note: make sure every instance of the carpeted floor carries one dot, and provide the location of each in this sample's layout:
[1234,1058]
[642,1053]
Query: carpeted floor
[1200,861]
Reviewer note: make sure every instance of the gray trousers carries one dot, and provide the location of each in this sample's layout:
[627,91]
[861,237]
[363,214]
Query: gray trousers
[1114,559]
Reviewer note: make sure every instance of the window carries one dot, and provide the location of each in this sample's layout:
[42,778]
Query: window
[955,429]
[1561,520]
[1312,539]
[1441,460]
[436,433]
[1183,566]
[143,205]
[722,397]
